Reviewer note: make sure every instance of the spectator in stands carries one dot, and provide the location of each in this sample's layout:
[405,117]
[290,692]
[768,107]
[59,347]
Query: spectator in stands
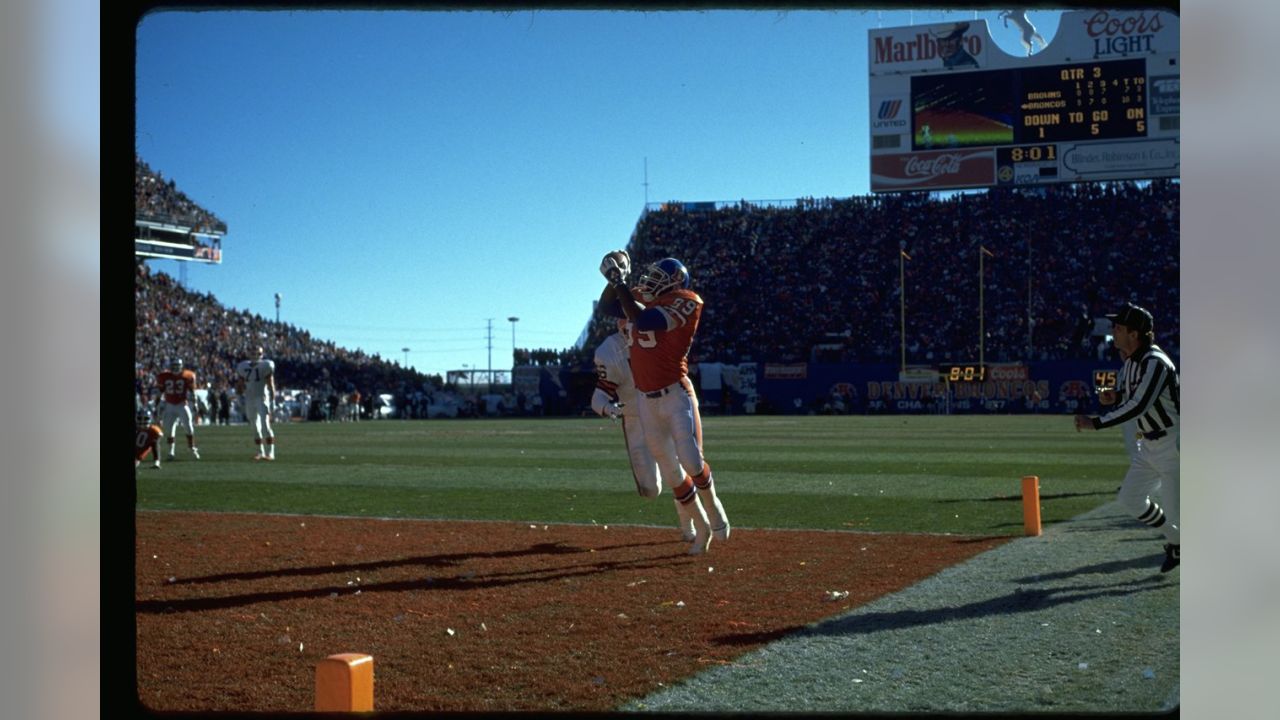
[224,406]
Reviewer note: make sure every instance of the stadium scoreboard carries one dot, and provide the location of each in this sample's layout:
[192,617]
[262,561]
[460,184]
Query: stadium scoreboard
[1057,103]
[951,110]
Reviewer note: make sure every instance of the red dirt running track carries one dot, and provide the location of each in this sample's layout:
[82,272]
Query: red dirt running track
[234,611]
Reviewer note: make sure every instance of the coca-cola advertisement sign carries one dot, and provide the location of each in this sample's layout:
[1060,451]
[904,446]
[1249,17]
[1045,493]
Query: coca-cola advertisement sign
[938,169]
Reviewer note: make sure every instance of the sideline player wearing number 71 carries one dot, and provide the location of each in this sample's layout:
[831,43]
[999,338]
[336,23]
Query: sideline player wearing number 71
[662,332]
[258,388]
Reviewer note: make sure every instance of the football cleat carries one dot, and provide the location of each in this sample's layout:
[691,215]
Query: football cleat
[1172,557]
[687,530]
[195,453]
[702,537]
[661,278]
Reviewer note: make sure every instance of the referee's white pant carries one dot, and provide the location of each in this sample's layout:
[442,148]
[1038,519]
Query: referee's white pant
[1154,466]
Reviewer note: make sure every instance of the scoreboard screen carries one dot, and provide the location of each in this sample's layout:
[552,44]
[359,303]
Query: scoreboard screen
[1054,103]
[950,109]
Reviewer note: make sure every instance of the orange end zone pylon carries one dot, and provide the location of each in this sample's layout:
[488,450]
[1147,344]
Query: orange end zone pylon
[344,683]
[1031,504]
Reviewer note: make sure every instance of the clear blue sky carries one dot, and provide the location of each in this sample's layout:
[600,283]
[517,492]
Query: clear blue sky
[402,177]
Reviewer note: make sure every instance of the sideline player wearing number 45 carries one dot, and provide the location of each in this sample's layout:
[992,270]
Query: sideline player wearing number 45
[663,328]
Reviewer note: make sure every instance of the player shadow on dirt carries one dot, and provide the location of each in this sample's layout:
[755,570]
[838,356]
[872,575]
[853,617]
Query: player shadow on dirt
[464,581]
[556,548]
[1018,601]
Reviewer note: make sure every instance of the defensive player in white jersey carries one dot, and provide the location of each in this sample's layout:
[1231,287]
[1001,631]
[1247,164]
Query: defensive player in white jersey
[258,390]
[662,333]
[1149,407]
[615,398]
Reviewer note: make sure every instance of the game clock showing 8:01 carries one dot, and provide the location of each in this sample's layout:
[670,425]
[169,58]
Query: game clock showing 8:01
[964,373]
[1027,153]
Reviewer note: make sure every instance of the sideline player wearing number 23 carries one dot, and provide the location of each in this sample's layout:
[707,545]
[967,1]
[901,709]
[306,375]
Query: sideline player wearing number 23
[178,386]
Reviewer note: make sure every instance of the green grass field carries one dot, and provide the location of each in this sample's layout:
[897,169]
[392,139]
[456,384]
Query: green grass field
[958,474]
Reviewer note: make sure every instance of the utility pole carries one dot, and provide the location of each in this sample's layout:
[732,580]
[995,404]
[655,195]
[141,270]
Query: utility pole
[646,181]
[513,320]
[490,390]
[982,335]
[902,302]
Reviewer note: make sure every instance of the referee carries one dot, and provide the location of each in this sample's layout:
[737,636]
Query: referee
[1148,406]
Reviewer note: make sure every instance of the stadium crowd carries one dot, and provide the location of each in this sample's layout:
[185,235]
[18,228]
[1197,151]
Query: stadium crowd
[158,199]
[813,280]
[825,273]
[173,322]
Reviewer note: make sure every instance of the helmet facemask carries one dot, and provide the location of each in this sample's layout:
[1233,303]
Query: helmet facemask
[661,278]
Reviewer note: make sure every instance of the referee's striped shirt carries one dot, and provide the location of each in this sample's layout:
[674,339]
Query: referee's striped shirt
[1148,394]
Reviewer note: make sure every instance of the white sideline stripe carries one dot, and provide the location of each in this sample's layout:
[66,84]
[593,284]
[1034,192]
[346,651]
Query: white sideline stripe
[554,524]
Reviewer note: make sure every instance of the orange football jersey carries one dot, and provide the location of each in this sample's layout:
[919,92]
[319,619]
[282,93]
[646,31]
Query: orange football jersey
[176,386]
[660,357]
[146,439]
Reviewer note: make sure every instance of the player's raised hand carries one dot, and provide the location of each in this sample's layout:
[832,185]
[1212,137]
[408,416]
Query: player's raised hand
[615,266]
[624,262]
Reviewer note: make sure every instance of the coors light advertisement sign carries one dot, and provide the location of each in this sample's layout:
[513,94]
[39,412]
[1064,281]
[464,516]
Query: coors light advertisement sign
[968,45]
